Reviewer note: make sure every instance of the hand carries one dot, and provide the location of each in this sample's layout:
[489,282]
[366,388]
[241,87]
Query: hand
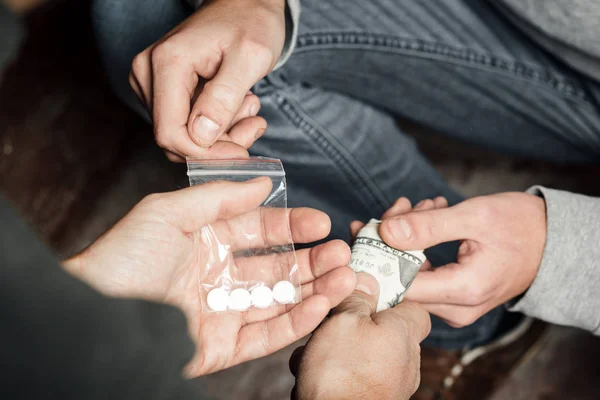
[155,253]
[195,80]
[357,354]
[403,206]
[502,241]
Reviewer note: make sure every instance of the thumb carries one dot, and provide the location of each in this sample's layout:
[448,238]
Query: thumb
[192,208]
[363,301]
[423,229]
[222,97]
[406,316]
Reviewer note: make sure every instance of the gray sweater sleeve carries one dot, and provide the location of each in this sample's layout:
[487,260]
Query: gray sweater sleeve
[292,18]
[566,290]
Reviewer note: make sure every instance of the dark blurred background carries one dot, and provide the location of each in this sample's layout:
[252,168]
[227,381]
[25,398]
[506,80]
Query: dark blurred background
[74,160]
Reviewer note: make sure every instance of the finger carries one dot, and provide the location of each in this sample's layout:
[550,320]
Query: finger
[312,263]
[295,359]
[336,285]
[447,284]
[221,149]
[137,89]
[406,315]
[440,202]
[424,229]
[222,96]
[174,157]
[322,259]
[141,73]
[363,301]
[266,226]
[355,227]
[248,131]
[262,338]
[335,281]
[424,205]
[192,208]
[249,108]
[401,206]
[174,85]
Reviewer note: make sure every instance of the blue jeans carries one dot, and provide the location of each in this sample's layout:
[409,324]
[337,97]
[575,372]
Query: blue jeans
[455,66]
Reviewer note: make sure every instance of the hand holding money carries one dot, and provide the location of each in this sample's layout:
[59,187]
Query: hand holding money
[502,240]
[394,269]
[357,354]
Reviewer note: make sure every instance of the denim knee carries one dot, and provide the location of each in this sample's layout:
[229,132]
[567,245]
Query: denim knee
[124,28]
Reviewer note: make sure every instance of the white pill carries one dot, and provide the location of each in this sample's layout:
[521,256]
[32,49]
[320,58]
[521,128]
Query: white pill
[240,300]
[217,299]
[262,297]
[284,292]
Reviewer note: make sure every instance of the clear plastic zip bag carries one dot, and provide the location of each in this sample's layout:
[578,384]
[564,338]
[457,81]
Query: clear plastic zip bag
[244,269]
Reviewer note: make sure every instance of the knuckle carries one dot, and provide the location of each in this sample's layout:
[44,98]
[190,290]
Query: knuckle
[139,63]
[403,202]
[441,201]
[420,324]
[224,96]
[173,157]
[259,52]
[474,294]
[167,52]
[424,227]
[427,203]
[162,140]
[344,320]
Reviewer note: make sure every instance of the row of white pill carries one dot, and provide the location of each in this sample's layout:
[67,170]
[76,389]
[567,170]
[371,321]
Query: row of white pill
[220,299]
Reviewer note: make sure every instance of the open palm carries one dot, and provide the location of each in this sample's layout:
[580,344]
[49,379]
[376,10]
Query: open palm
[157,252]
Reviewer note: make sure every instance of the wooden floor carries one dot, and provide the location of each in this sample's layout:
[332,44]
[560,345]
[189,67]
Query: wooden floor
[74,160]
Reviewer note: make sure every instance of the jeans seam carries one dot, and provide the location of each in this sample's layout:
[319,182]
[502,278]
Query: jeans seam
[444,52]
[369,194]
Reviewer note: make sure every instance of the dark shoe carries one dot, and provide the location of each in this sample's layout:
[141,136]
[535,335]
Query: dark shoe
[475,373]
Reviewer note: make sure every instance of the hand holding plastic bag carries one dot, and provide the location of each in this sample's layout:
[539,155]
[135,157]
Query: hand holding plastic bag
[156,252]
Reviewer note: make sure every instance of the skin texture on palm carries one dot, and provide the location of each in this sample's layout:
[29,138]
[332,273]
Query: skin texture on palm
[155,253]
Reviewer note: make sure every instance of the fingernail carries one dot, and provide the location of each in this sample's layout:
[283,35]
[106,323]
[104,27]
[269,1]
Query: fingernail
[420,203]
[259,133]
[399,228]
[366,283]
[205,131]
